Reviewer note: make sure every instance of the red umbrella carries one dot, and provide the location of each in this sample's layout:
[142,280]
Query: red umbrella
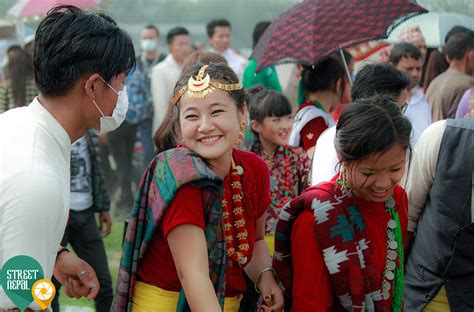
[315,28]
[24,8]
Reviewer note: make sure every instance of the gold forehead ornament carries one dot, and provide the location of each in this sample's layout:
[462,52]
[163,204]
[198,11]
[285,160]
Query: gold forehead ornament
[201,85]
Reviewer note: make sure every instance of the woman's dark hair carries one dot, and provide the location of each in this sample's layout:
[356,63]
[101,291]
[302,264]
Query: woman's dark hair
[379,78]
[20,71]
[322,76]
[71,43]
[437,64]
[258,31]
[167,136]
[371,126]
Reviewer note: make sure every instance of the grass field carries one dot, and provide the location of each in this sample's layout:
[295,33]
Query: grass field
[113,246]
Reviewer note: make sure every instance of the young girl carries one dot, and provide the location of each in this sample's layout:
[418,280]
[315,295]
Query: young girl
[344,237]
[323,85]
[271,121]
[199,219]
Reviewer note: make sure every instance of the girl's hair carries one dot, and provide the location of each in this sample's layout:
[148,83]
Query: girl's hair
[437,65]
[20,70]
[168,135]
[267,103]
[371,126]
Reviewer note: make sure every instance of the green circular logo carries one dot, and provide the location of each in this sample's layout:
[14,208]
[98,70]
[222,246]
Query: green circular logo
[17,277]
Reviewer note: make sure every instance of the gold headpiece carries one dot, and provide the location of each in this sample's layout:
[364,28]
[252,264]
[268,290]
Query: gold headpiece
[201,85]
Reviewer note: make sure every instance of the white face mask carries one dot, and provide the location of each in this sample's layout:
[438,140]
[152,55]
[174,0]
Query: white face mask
[149,45]
[110,123]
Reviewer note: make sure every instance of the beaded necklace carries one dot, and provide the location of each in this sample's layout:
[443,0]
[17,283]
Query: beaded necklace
[393,271]
[286,193]
[234,221]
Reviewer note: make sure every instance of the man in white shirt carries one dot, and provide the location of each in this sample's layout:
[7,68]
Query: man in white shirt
[80,62]
[165,74]
[372,79]
[219,33]
[406,57]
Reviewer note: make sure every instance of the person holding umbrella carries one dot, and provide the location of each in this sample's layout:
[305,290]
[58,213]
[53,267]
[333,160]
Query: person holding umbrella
[323,85]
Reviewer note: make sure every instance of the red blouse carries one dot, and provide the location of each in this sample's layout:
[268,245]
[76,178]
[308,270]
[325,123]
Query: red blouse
[308,262]
[157,267]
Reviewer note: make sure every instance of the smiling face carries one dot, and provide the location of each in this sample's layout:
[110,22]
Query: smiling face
[273,131]
[373,178]
[210,126]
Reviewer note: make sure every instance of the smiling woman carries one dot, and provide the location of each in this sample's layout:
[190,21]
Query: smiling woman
[203,205]
[323,235]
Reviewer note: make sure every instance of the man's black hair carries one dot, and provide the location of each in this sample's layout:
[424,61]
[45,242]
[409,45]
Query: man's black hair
[71,43]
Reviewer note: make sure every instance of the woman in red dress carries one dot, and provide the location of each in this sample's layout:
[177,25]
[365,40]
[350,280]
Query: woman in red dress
[199,218]
[345,237]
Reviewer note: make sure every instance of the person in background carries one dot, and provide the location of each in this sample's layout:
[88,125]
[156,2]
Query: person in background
[271,120]
[267,77]
[372,79]
[412,34]
[19,89]
[439,275]
[407,58]
[121,142]
[150,56]
[437,62]
[165,74]
[11,51]
[203,206]
[339,245]
[219,34]
[89,196]
[446,90]
[323,85]
[80,60]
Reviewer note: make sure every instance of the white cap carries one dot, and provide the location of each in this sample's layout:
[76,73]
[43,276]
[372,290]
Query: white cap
[29,39]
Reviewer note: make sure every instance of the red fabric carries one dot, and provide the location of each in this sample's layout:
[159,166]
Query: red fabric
[312,130]
[308,262]
[157,267]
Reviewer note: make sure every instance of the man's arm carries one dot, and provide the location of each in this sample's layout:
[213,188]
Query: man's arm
[422,171]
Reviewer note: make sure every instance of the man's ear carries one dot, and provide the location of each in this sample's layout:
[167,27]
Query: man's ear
[91,85]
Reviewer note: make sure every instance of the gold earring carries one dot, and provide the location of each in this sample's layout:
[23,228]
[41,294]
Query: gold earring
[243,126]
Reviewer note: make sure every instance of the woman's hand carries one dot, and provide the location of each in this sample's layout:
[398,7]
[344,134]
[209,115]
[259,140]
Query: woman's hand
[272,294]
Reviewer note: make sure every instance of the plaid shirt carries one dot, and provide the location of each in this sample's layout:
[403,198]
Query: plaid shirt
[139,105]
[100,194]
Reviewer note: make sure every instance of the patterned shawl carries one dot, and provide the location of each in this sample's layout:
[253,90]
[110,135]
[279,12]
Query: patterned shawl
[340,233]
[164,176]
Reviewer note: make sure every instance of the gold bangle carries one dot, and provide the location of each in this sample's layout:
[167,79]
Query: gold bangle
[259,278]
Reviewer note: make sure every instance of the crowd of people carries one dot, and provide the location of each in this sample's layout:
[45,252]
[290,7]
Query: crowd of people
[354,196]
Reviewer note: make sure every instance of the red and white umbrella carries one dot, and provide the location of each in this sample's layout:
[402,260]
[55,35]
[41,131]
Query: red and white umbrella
[25,8]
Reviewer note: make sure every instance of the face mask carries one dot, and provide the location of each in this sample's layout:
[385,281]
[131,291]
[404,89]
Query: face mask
[148,45]
[110,123]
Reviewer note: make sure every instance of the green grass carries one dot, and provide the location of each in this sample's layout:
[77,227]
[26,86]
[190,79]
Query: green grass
[113,247]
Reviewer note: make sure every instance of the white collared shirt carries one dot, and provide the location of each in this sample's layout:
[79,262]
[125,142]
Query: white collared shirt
[419,113]
[164,76]
[34,187]
[235,61]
